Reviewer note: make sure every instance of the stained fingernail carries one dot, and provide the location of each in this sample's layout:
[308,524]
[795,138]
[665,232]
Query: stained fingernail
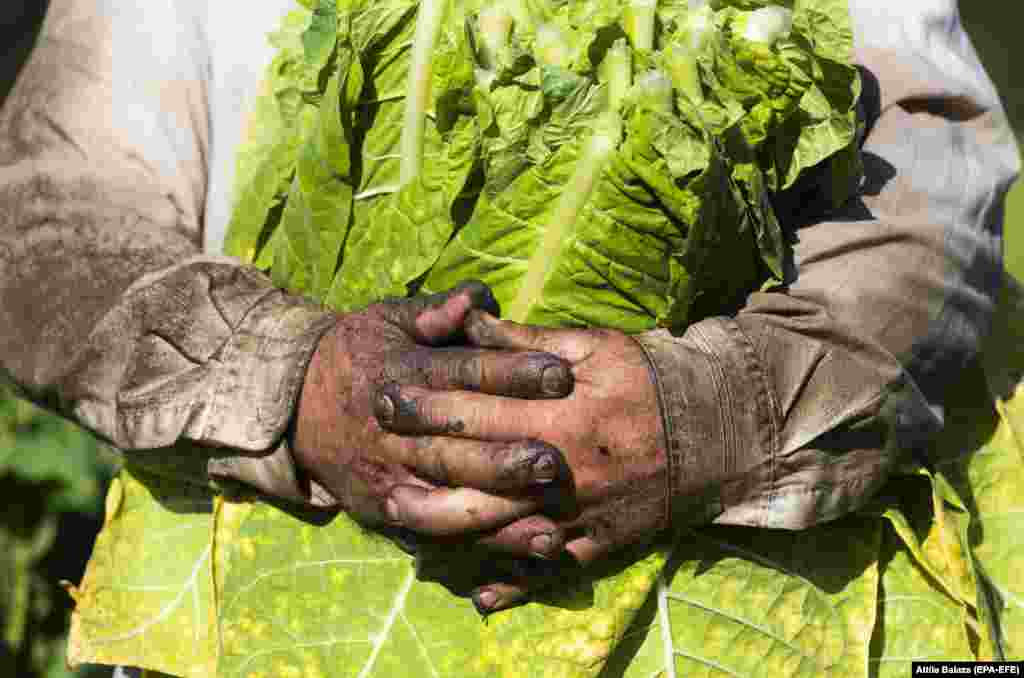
[392,512]
[545,468]
[384,408]
[485,601]
[540,546]
[554,381]
[481,296]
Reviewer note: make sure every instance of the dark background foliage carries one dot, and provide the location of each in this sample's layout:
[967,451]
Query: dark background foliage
[53,476]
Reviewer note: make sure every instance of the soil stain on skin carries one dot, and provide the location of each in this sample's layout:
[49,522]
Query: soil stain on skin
[407,416]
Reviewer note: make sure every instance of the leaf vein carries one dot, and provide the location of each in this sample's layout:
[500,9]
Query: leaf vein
[739,620]
[297,566]
[166,610]
[396,609]
[666,625]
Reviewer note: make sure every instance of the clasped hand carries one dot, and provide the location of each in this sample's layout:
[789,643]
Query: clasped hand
[432,415]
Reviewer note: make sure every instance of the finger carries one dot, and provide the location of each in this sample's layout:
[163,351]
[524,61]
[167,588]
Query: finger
[485,330]
[535,536]
[587,550]
[496,467]
[500,596]
[515,580]
[453,511]
[438,318]
[411,410]
[364,488]
[600,531]
[515,374]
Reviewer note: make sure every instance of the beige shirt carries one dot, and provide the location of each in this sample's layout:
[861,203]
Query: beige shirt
[116,150]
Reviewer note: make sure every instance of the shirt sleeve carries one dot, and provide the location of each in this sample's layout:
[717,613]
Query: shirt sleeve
[112,316]
[798,408]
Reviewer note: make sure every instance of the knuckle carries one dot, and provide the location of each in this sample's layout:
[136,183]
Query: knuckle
[404,365]
[388,308]
[605,334]
[414,514]
[468,373]
[480,329]
[438,467]
[538,336]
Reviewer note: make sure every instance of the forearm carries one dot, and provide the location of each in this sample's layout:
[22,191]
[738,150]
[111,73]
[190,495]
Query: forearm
[112,315]
[796,410]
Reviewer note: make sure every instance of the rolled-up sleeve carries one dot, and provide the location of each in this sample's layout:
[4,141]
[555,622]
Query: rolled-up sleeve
[111,314]
[798,408]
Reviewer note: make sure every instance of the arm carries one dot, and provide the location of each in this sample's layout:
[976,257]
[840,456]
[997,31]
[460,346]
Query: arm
[112,314]
[797,410]
[193,363]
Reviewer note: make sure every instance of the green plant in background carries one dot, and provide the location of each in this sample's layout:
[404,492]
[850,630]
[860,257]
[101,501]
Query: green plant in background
[52,479]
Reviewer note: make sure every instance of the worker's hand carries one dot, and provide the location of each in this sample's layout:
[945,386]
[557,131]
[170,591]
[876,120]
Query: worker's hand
[609,429]
[485,490]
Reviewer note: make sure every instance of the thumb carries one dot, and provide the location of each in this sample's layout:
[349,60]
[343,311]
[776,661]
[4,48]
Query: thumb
[438,318]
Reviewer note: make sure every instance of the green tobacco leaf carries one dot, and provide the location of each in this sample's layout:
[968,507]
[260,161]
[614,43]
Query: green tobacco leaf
[333,601]
[571,632]
[398,230]
[318,213]
[337,600]
[965,542]
[983,453]
[147,596]
[996,474]
[997,479]
[397,237]
[269,148]
[917,621]
[933,534]
[628,263]
[759,603]
[796,98]
[319,39]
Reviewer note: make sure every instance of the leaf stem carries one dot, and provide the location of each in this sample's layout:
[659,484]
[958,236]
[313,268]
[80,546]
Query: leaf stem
[681,56]
[682,66]
[574,197]
[768,24]
[639,23]
[495,25]
[428,25]
[551,47]
[616,72]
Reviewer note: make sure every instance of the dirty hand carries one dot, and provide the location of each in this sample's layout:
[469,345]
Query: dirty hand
[486,490]
[609,429]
